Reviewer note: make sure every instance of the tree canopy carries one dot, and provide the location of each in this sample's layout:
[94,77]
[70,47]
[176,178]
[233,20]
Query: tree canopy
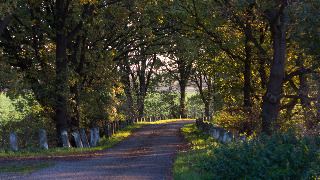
[87,62]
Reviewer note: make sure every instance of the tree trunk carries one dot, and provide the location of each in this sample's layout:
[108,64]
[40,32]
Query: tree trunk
[182,109]
[247,79]
[76,118]
[142,90]
[61,83]
[305,101]
[207,108]
[271,99]
[141,105]
[4,23]
[125,79]
[61,118]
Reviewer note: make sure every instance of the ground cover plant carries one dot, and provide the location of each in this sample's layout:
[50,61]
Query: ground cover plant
[280,156]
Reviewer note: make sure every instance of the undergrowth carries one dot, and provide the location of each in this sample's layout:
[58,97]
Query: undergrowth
[281,156]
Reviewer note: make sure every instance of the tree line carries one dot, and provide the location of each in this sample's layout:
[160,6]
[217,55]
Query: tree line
[89,61]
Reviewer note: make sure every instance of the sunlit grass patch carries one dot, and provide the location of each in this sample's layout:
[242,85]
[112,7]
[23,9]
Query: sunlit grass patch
[169,120]
[186,163]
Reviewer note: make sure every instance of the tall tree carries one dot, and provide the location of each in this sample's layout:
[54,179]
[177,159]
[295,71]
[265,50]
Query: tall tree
[180,65]
[271,100]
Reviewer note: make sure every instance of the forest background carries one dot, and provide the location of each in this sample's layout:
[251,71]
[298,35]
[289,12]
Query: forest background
[73,64]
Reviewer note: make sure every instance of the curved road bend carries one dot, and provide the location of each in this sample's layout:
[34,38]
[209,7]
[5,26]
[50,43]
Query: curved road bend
[147,154]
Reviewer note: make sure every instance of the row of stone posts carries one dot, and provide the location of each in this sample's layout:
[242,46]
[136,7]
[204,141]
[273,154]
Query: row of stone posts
[80,136]
[218,132]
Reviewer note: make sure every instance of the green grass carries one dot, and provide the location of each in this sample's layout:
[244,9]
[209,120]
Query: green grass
[24,169]
[198,141]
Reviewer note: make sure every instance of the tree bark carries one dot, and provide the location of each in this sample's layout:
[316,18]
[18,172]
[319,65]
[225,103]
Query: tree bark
[76,117]
[271,99]
[247,78]
[182,109]
[125,79]
[4,23]
[61,118]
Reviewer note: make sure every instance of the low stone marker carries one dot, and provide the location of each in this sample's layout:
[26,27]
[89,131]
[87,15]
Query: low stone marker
[97,134]
[219,133]
[65,139]
[77,139]
[242,138]
[84,139]
[112,128]
[43,139]
[236,137]
[108,131]
[229,137]
[92,138]
[14,141]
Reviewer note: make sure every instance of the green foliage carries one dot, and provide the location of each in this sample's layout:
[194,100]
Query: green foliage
[281,156]
[238,121]
[166,103]
[26,117]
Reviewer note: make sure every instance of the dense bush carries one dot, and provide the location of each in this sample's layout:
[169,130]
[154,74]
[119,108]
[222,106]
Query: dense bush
[281,156]
[238,121]
[26,119]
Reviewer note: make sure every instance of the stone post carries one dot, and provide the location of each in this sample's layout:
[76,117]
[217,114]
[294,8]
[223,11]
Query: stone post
[242,138]
[111,128]
[77,139]
[65,140]
[236,137]
[14,141]
[230,136]
[221,133]
[97,134]
[43,139]
[84,139]
[92,138]
[107,130]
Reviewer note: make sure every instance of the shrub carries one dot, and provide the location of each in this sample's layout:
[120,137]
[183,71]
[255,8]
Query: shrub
[281,156]
[239,122]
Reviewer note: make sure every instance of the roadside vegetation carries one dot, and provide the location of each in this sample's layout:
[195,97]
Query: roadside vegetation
[280,156]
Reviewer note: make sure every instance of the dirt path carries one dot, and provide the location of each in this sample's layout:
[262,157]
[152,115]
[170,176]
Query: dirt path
[147,154]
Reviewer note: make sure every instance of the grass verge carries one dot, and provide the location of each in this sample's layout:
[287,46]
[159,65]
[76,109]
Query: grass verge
[186,160]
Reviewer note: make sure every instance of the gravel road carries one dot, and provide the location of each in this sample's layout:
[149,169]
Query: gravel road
[146,154]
